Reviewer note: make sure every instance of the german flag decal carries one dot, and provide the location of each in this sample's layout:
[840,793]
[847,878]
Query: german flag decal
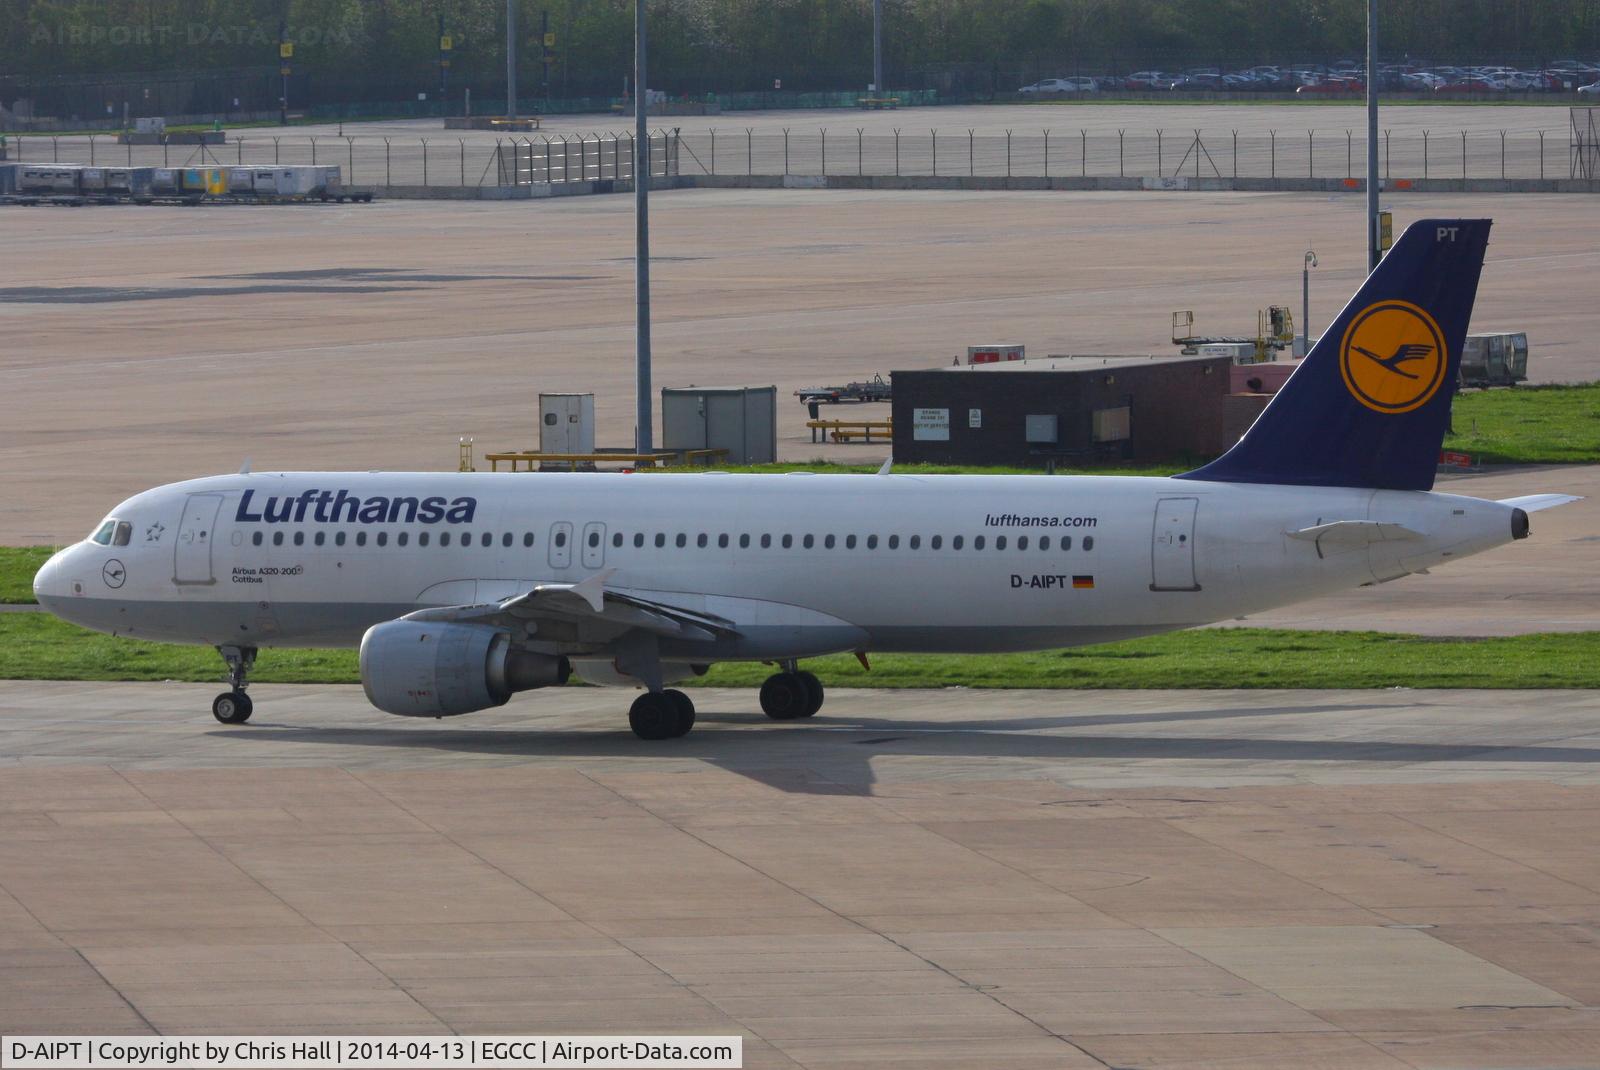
[1083,583]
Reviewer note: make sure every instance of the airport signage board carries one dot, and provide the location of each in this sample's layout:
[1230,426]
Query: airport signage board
[930,425]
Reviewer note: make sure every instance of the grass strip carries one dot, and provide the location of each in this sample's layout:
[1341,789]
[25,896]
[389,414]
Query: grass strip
[1528,425]
[37,646]
[17,566]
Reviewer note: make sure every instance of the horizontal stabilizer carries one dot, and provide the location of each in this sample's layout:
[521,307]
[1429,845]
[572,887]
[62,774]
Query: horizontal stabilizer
[1532,503]
[1354,533]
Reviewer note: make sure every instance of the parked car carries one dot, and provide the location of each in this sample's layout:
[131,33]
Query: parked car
[1476,84]
[1591,90]
[1053,86]
[1333,86]
[1149,80]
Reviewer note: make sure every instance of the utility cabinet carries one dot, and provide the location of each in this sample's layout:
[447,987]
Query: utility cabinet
[566,423]
[742,420]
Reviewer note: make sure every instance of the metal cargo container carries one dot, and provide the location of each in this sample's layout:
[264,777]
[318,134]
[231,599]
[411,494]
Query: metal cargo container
[241,179]
[48,178]
[566,423]
[91,179]
[306,180]
[198,180]
[8,179]
[742,420]
[130,181]
[165,180]
[1494,359]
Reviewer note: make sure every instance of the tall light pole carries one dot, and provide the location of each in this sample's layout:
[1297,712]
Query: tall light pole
[511,59]
[877,47]
[644,435]
[1373,251]
[1305,301]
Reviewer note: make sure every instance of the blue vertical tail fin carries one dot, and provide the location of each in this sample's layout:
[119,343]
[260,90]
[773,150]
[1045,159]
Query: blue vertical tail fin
[1370,404]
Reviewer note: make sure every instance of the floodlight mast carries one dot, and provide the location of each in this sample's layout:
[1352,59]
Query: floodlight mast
[1374,251]
[877,47]
[644,433]
[511,59]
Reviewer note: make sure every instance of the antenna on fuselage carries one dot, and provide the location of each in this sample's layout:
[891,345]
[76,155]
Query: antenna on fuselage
[244,469]
[888,464]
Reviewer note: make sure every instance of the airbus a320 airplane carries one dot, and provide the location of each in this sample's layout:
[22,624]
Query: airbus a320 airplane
[462,590]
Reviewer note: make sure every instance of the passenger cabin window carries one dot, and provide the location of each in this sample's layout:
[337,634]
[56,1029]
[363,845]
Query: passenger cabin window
[616,540]
[702,540]
[277,538]
[505,540]
[766,542]
[849,542]
[808,542]
[977,542]
[788,541]
[527,538]
[956,541]
[103,536]
[1066,542]
[319,538]
[485,539]
[383,538]
[744,542]
[255,539]
[682,540]
[999,542]
[1088,542]
[916,541]
[594,539]
[361,538]
[722,541]
[561,536]
[827,542]
[935,542]
[402,538]
[638,539]
[1044,542]
[338,538]
[894,542]
[872,542]
[422,538]
[1022,542]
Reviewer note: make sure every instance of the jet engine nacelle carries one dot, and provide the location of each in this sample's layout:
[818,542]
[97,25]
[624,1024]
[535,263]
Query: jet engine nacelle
[429,669]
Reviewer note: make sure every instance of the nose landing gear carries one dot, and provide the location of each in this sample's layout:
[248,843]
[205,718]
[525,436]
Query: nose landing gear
[234,706]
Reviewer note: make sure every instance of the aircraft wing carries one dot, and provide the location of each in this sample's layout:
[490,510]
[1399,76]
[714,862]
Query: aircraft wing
[585,612]
[1532,503]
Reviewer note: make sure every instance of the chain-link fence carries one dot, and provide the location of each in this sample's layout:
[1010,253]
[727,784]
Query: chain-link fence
[535,159]
[1128,154]
[380,161]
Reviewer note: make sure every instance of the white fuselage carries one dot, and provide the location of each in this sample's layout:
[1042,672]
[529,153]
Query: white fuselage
[802,564]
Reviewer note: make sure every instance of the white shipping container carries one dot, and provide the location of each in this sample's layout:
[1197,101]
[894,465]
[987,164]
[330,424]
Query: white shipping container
[566,423]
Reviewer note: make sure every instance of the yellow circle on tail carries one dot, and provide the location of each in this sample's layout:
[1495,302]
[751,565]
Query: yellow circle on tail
[1393,357]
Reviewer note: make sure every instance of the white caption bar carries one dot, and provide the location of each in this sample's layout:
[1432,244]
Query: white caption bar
[406,1053]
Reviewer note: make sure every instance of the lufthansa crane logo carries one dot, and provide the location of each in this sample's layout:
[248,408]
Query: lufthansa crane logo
[1393,357]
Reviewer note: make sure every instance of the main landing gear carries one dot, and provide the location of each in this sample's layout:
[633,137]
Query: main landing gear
[791,694]
[661,715]
[234,706]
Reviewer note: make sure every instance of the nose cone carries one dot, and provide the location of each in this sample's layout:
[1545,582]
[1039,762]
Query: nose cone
[50,583]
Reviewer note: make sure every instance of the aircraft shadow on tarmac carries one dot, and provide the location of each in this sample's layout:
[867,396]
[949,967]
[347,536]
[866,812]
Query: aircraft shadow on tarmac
[833,756]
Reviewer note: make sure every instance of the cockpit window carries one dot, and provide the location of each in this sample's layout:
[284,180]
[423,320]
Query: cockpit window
[124,533]
[103,536]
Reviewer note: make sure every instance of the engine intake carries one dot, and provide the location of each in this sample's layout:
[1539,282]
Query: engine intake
[429,669]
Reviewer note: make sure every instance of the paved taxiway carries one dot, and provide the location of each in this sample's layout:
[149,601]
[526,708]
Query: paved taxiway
[930,879]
